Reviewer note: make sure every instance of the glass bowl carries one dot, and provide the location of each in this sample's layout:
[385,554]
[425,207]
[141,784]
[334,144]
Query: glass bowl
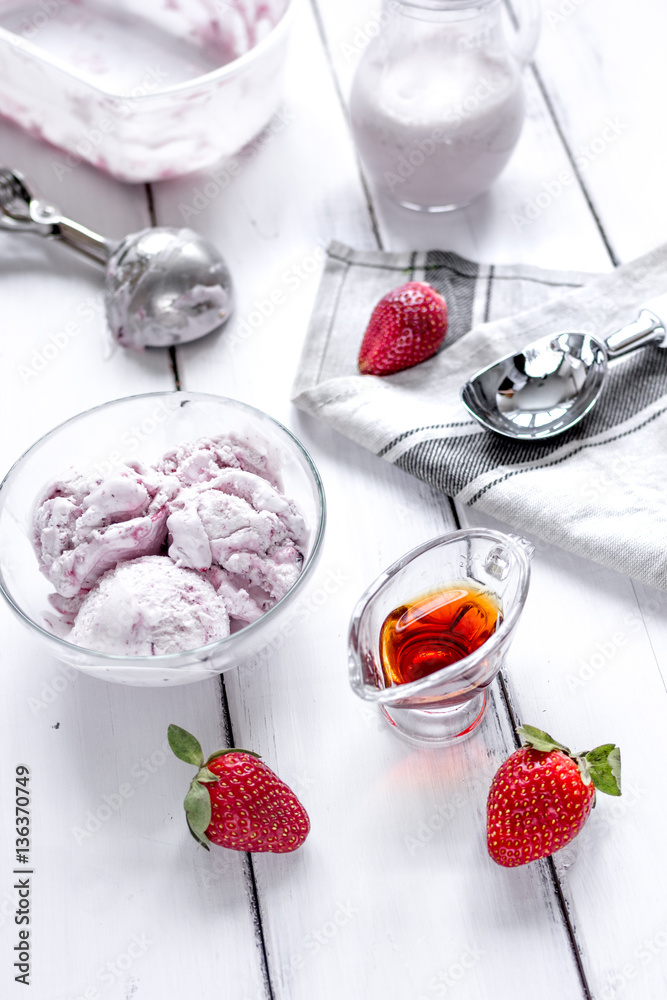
[144,428]
[447,704]
[143,89]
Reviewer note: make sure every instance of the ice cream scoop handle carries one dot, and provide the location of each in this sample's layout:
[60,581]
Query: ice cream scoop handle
[648,328]
[79,238]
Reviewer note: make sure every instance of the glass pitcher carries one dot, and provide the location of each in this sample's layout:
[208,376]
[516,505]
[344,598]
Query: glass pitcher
[437,100]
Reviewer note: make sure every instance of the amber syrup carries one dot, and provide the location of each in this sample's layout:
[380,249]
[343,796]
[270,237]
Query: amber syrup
[437,630]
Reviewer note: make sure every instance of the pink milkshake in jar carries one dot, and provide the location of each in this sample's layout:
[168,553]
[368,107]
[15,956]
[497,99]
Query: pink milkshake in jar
[437,101]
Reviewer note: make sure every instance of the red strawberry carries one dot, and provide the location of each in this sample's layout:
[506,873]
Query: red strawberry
[236,801]
[407,326]
[542,795]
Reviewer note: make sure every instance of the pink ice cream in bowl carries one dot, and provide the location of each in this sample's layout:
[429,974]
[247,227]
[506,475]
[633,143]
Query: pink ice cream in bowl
[161,538]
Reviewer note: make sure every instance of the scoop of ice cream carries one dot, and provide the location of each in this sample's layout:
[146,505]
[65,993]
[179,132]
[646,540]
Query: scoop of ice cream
[150,606]
[245,533]
[201,461]
[85,524]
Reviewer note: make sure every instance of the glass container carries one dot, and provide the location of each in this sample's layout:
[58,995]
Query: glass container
[448,704]
[143,428]
[143,89]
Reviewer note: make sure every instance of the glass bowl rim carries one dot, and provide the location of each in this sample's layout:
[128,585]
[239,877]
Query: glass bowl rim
[201,653]
[398,692]
[213,76]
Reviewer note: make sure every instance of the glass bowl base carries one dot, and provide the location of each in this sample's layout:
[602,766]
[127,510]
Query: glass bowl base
[437,727]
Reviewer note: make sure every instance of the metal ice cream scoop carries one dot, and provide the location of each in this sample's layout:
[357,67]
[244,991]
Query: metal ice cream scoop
[552,383]
[163,286]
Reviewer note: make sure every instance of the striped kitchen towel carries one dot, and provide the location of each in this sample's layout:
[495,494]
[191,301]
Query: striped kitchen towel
[599,490]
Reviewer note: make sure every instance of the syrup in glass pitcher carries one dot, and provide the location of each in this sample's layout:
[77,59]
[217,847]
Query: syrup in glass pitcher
[437,102]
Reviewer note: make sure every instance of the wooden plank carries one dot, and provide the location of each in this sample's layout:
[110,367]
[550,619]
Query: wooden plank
[614,134]
[586,668]
[56,355]
[114,868]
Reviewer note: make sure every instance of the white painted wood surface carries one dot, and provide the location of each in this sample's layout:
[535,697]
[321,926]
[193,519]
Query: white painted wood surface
[393,895]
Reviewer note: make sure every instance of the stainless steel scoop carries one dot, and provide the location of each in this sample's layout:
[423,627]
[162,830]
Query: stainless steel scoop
[554,382]
[163,286]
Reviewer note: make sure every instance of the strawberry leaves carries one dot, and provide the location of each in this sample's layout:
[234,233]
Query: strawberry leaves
[604,766]
[540,740]
[197,804]
[186,746]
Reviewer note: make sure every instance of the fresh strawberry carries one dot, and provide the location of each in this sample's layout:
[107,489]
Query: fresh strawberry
[407,326]
[236,801]
[542,795]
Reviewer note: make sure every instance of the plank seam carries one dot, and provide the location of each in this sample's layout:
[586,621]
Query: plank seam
[251,881]
[575,169]
[566,146]
[555,881]
[151,204]
[339,93]
[554,878]
[173,359]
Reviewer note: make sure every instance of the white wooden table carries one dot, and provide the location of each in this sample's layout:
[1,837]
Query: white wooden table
[393,896]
